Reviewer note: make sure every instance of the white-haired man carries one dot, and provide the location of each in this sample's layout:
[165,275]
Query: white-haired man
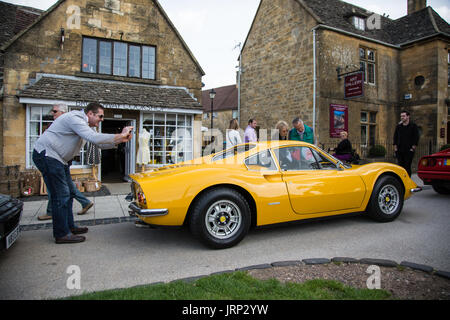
[86,204]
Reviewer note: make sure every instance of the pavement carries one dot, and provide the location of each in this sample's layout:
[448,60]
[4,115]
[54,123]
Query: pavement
[108,209]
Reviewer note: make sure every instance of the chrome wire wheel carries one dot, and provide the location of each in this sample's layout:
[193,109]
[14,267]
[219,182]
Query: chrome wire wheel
[223,219]
[388,199]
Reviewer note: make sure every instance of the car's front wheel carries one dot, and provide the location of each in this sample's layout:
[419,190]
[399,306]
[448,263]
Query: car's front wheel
[386,201]
[220,218]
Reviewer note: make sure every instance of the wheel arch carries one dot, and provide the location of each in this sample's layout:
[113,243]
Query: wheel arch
[248,197]
[391,174]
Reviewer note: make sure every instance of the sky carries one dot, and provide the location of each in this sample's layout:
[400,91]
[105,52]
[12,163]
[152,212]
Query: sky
[213,29]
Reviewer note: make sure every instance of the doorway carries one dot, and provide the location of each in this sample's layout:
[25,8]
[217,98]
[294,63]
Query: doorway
[117,163]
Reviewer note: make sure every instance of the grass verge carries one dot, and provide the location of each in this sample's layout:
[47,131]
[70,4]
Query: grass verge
[239,286]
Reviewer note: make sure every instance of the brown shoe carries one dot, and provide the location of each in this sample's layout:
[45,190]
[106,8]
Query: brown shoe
[70,238]
[44,217]
[85,209]
[79,230]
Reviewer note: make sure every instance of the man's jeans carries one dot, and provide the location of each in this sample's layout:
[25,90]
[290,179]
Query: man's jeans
[78,196]
[59,184]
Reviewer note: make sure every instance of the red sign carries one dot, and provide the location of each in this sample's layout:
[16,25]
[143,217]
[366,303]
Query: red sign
[338,119]
[354,85]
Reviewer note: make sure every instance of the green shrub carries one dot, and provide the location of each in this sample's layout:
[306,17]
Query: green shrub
[377,151]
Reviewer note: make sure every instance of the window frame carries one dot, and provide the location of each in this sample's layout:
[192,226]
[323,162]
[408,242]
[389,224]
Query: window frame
[29,146]
[370,125]
[359,23]
[165,139]
[128,45]
[366,62]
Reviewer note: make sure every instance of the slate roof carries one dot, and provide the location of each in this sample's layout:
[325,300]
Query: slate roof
[421,24]
[109,92]
[226,99]
[14,18]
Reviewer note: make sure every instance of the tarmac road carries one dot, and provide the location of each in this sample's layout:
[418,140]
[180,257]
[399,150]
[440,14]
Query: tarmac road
[121,255]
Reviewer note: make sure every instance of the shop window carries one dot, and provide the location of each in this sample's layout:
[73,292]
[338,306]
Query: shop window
[367,62]
[368,128]
[171,137]
[118,58]
[38,120]
[105,52]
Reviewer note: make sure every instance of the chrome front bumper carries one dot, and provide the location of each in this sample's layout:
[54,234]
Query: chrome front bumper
[415,190]
[135,210]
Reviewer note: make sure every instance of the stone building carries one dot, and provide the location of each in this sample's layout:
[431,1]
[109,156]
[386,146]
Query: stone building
[300,55]
[225,107]
[126,55]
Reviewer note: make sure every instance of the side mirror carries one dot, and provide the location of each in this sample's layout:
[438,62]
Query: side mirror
[340,166]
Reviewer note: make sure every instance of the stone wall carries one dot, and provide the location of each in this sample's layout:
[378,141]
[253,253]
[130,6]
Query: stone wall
[39,51]
[337,50]
[277,62]
[427,104]
[221,122]
[277,79]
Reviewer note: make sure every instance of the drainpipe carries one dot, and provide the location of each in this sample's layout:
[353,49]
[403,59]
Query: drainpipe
[239,84]
[314,80]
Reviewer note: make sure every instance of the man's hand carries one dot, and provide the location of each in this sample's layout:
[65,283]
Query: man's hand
[125,136]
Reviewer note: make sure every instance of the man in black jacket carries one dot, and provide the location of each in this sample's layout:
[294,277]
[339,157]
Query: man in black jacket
[406,138]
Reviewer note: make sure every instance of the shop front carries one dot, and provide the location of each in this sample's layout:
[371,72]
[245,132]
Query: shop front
[163,118]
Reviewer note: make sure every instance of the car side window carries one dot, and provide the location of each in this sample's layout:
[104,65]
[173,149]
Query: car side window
[261,161]
[233,151]
[323,161]
[296,158]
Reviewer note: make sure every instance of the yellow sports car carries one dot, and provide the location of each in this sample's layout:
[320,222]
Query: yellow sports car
[221,196]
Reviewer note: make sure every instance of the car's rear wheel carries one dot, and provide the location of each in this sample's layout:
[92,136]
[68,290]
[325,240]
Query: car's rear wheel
[220,218]
[386,201]
[441,189]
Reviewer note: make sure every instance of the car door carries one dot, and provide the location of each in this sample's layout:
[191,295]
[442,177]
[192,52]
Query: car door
[315,184]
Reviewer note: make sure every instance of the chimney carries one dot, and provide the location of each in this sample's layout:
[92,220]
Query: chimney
[416,5]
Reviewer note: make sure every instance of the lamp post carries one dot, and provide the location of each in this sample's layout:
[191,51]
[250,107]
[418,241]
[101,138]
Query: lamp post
[212,94]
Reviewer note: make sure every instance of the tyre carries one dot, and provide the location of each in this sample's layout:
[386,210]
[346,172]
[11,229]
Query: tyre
[220,218]
[441,189]
[386,201]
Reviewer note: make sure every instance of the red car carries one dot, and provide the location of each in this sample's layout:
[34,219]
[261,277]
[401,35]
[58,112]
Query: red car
[435,170]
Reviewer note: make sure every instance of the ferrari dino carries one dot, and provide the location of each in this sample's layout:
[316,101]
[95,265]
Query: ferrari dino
[221,196]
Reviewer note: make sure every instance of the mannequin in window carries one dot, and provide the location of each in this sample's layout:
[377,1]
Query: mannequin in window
[143,156]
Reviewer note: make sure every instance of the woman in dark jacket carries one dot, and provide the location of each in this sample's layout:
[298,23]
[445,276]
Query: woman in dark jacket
[344,149]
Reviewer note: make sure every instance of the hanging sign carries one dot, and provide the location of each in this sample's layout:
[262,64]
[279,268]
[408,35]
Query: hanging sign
[354,85]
